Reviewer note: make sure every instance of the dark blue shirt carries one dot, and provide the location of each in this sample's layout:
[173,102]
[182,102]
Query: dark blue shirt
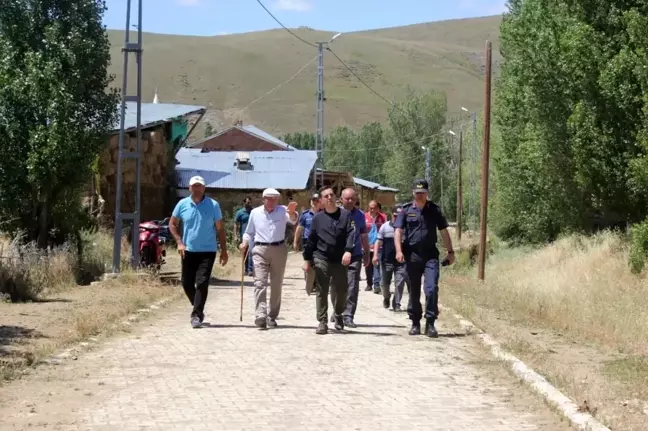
[360,226]
[419,228]
[306,221]
[242,217]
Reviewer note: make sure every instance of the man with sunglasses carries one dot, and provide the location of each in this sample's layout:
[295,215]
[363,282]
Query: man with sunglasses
[328,250]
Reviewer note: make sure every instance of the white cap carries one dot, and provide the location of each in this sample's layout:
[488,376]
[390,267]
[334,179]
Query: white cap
[196,180]
[271,192]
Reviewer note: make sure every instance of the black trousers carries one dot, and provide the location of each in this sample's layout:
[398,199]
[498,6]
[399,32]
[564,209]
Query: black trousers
[196,272]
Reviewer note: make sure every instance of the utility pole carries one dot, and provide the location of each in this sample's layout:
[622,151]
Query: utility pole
[459,188]
[135,48]
[473,176]
[485,161]
[427,165]
[319,135]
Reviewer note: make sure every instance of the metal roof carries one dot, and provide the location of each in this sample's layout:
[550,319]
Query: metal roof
[154,114]
[279,169]
[371,185]
[268,137]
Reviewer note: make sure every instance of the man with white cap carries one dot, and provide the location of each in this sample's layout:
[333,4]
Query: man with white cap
[267,230]
[201,220]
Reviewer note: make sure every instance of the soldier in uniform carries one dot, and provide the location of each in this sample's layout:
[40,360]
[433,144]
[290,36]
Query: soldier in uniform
[415,240]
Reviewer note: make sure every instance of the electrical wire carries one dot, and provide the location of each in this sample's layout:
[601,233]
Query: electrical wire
[284,27]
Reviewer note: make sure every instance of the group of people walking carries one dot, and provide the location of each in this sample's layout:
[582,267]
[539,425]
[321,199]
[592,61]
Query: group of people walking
[337,240]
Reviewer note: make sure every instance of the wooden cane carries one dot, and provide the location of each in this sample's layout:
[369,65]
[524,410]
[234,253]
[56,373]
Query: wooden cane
[243,281]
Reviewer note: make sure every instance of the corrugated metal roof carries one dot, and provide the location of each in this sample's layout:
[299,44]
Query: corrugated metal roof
[267,136]
[155,113]
[371,185]
[278,169]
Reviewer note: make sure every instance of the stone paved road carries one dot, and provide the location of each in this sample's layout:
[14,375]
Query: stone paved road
[231,376]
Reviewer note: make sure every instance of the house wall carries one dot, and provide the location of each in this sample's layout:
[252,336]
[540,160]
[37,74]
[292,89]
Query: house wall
[366,195]
[156,201]
[237,140]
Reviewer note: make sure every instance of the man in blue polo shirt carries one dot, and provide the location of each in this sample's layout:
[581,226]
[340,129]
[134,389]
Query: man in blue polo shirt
[201,220]
[241,219]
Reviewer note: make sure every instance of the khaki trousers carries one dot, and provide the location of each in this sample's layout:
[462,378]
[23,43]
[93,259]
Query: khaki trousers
[269,262]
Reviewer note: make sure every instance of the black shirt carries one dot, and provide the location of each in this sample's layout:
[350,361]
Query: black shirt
[419,228]
[331,236]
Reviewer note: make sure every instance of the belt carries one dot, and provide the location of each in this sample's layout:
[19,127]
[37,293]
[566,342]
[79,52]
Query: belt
[269,243]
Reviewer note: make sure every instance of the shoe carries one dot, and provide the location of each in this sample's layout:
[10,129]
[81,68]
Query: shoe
[339,323]
[332,318]
[397,308]
[377,290]
[368,289]
[386,302]
[272,323]
[348,321]
[322,328]
[261,322]
[415,329]
[430,330]
[195,322]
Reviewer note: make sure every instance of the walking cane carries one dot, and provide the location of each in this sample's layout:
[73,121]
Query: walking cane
[243,281]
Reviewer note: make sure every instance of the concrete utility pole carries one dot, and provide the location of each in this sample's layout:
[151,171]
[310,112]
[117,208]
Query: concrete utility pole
[485,162]
[135,48]
[459,189]
[319,133]
[427,165]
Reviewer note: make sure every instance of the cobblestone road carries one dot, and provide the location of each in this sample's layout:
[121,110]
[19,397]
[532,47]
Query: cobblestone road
[231,376]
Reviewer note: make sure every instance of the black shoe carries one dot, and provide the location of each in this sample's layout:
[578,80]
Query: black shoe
[368,289]
[430,330]
[322,328]
[348,321]
[272,323]
[386,302]
[415,329]
[195,322]
[377,290]
[261,322]
[332,318]
[339,323]
[397,309]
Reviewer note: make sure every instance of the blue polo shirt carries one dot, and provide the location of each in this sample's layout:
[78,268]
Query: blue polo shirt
[242,217]
[360,226]
[198,223]
[305,221]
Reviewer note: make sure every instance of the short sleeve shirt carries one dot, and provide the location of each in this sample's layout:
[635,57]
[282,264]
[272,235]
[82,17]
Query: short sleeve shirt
[242,217]
[360,226]
[420,226]
[199,223]
[305,221]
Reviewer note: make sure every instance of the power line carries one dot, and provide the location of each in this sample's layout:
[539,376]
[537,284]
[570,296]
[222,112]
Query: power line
[278,86]
[284,27]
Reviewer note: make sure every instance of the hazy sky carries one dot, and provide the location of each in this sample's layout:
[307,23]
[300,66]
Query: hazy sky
[214,17]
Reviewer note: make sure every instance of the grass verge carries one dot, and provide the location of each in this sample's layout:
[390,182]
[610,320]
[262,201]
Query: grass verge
[573,311]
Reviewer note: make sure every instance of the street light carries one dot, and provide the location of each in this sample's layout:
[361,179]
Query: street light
[335,37]
[452,133]
[464,109]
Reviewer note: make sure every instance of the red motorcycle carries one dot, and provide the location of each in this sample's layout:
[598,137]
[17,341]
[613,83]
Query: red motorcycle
[151,248]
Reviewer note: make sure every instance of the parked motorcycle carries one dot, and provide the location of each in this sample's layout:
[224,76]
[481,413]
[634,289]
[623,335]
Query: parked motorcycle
[151,247]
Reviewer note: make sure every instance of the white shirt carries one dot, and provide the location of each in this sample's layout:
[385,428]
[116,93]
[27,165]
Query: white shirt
[268,227]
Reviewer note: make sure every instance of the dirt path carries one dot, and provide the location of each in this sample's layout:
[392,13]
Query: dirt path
[231,376]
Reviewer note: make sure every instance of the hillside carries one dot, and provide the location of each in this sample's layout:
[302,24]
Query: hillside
[226,73]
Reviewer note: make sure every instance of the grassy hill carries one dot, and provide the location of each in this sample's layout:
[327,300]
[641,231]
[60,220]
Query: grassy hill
[226,73]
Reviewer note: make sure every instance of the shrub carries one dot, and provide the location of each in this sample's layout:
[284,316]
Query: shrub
[639,247]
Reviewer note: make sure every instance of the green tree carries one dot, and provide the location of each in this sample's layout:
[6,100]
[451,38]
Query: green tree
[55,109]
[300,140]
[371,152]
[338,146]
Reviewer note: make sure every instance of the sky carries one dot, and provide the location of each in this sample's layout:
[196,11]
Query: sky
[219,17]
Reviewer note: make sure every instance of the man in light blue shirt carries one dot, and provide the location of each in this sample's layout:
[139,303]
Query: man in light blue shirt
[201,220]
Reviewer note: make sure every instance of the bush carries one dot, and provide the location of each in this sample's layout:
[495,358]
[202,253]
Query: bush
[639,247]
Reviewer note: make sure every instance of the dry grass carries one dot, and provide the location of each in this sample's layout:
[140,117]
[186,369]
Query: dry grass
[574,311]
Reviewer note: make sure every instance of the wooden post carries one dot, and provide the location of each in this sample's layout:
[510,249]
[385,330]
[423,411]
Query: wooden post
[485,159]
[459,189]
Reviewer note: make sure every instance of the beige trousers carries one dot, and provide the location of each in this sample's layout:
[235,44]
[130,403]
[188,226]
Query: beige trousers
[269,262]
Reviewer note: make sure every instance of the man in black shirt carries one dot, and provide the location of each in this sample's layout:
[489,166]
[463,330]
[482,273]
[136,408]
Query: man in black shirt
[328,250]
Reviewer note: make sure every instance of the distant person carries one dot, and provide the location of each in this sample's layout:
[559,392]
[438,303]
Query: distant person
[241,221]
[390,267]
[202,221]
[374,219]
[267,230]
[359,257]
[329,251]
[305,221]
[415,241]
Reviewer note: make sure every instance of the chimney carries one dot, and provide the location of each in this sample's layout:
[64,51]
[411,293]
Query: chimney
[243,161]
[238,123]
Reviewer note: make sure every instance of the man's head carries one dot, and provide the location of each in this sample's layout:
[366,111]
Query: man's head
[327,197]
[374,208]
[197,187]
[315,202]
[395,211]
[349,199]
[247,203]
[420,190]
[270,199]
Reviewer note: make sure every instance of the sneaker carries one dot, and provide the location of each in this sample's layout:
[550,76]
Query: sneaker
[415,329]
[348,321]
[397,308]
[386,302]
[339,323]
[261,322]
[195,322]
[368,289]
[322,328]
[377,290]
[430,330]
[272,323]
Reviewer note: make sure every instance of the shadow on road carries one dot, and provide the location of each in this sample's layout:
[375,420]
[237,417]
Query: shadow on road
[11,335]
